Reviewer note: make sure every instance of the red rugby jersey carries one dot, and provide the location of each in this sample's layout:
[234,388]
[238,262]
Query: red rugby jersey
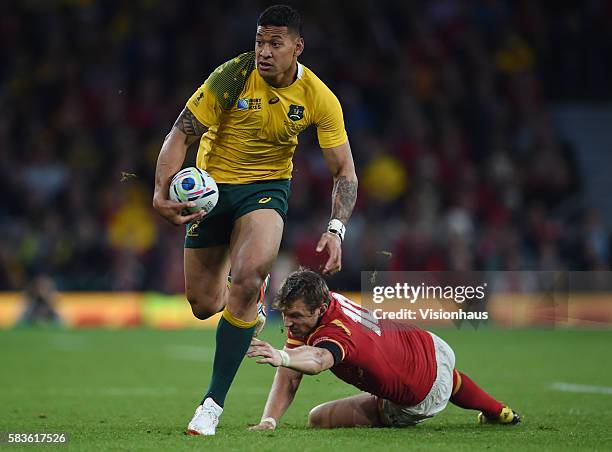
[391,360]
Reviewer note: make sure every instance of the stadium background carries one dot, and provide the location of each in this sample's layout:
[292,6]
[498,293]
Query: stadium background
[482,139]
[467,122]
[480,132]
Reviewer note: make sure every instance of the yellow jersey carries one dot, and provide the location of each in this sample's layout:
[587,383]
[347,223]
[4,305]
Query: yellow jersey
[253,127]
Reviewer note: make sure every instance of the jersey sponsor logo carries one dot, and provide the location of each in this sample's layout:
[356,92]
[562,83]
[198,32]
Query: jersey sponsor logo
[193,230]
[273,100]
[265,200]
[296,112]
[197,100]
[321,339]
[248,104]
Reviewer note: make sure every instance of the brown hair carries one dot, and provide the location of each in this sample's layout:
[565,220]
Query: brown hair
[302,284]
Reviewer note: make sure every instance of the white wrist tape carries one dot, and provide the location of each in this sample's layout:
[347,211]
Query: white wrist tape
[286,361]
[271,420]
[336,227]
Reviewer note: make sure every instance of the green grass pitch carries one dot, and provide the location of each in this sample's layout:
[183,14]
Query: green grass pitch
[137,389]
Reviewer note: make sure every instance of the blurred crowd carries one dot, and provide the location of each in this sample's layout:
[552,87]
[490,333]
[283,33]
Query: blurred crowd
[447,104]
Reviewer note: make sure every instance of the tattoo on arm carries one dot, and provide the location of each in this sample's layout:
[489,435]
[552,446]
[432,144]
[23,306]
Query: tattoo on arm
[343,198]
[190,126]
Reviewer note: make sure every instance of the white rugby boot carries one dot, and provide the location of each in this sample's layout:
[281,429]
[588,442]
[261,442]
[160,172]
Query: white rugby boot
[205,419]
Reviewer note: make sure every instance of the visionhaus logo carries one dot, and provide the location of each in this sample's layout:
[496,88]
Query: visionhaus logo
[508,298]
[429,314]
[425,295]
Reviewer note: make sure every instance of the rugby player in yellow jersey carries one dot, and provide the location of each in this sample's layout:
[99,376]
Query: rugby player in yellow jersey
[247,116]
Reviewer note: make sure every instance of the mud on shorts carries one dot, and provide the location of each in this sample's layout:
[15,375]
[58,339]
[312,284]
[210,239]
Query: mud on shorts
[394,415]
[236,200]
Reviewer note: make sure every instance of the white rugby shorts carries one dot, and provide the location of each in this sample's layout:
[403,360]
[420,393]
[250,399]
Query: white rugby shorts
[437,398]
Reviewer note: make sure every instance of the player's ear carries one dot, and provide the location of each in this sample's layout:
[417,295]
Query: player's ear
[299,47]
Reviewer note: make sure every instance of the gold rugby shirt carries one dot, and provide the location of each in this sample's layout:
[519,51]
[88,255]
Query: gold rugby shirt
[253,127]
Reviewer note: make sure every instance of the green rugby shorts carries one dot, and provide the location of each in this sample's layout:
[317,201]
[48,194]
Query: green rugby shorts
[236,200]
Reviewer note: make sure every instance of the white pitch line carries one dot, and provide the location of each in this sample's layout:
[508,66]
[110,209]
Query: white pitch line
[587,389]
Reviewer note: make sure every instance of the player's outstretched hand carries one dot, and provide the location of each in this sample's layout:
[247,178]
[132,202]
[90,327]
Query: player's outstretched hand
[173,211]
[268,353]
[332,243]
[264,425]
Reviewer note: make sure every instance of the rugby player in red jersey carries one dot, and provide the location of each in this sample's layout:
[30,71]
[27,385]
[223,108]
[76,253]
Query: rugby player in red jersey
[407,374]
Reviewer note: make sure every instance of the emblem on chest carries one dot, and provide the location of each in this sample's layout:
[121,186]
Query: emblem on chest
[296,112]
[249,104]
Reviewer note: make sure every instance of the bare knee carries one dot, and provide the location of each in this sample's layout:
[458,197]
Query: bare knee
[356,411]
[243,295]
[204,307]
[202,312]
[245,288]
[317,418]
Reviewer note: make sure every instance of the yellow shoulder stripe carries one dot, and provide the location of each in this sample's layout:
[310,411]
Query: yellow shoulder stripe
[341,325]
